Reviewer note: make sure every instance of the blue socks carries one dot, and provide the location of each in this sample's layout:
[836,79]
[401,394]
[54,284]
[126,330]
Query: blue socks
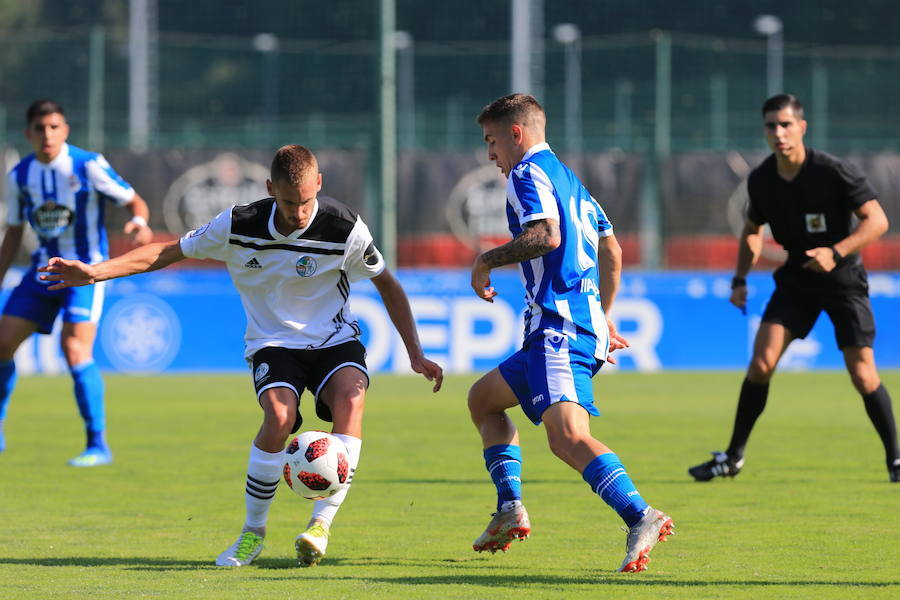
[89,396]
[504,463]
[7,383]
[607,477]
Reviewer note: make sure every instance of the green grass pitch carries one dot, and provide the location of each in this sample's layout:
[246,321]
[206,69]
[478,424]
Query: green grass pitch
[812,516]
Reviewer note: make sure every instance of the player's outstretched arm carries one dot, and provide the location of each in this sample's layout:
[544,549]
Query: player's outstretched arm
[397,305]
[536,239]
[73,273]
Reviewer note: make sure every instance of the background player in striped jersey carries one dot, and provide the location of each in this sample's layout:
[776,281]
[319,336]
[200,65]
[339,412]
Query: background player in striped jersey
[61,191]
[559,235]
[291,258]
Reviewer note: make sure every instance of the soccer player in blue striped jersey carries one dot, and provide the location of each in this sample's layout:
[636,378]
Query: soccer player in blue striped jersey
[570,264]
[61,191]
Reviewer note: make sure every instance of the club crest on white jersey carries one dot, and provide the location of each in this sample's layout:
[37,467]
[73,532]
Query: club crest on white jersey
[306,266]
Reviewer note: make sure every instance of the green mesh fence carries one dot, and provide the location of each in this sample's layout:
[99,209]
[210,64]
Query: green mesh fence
[221,92]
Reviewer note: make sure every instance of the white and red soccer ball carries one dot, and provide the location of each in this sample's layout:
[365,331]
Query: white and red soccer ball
[316,465]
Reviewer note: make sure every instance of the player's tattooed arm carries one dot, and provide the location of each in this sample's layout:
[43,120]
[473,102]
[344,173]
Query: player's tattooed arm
[537,239]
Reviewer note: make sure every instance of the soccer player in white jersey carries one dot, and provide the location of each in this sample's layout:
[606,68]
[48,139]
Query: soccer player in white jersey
[570,264]
[292,258]
[61,192]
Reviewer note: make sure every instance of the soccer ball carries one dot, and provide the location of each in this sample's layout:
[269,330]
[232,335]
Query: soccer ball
[316,465]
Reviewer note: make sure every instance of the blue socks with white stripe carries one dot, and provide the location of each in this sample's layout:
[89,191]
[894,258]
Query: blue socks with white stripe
[89,392]
[504,463]
[607,477]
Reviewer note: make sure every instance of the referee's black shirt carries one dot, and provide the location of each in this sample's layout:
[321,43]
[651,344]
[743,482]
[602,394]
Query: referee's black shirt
[813,210]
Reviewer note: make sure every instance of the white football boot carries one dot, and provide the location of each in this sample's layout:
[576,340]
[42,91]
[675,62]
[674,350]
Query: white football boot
[508,524]
[242,552]
[655,527]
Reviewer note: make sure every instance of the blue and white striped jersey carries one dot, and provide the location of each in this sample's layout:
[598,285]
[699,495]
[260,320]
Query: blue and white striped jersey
[64,202]
[562,287]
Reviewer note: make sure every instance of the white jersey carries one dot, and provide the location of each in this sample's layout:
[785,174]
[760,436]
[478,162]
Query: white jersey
[294,288]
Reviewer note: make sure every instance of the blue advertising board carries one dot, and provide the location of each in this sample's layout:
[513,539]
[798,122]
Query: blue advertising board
[190,320]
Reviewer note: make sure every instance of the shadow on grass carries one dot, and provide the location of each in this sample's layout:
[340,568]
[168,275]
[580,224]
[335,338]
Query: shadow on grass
[349,569]
[612,579]
[140,563]
[133,562]
[342,568]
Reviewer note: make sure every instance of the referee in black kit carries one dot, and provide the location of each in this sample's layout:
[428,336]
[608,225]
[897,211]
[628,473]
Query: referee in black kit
[808,198]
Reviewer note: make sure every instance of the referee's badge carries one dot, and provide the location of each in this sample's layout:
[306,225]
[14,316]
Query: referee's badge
[815,223]
[306,266]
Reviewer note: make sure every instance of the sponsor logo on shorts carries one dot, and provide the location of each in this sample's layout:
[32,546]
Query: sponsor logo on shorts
[306,266]
[261,373]
[537,399]
[555,342]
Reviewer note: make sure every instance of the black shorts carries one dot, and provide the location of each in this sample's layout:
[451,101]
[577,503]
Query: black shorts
[305,369]
[797,308]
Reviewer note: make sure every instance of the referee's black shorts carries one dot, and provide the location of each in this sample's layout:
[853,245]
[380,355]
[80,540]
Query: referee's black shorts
[305,369]
[796,305]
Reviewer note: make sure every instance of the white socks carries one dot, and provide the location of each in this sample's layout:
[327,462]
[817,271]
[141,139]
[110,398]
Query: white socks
[263,473]
[325,510]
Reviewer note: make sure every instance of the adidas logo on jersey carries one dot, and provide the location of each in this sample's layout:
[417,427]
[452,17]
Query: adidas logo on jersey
[253,264]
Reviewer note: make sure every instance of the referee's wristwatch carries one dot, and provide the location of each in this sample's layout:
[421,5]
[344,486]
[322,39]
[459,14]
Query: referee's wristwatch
[737,282]
[836,255]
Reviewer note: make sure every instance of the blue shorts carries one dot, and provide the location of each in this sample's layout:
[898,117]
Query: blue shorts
[32,300]
[552,368]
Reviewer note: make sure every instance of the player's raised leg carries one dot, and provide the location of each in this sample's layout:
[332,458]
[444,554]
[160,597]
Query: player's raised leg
[860,363]
[77,341]
[264,470]
[568,433]
[489,398]
[344,395]
[13,331]
[771,341]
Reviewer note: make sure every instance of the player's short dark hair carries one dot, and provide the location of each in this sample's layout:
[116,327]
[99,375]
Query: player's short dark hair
[42,108]
[293,164]
[776,103]
[523,109]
